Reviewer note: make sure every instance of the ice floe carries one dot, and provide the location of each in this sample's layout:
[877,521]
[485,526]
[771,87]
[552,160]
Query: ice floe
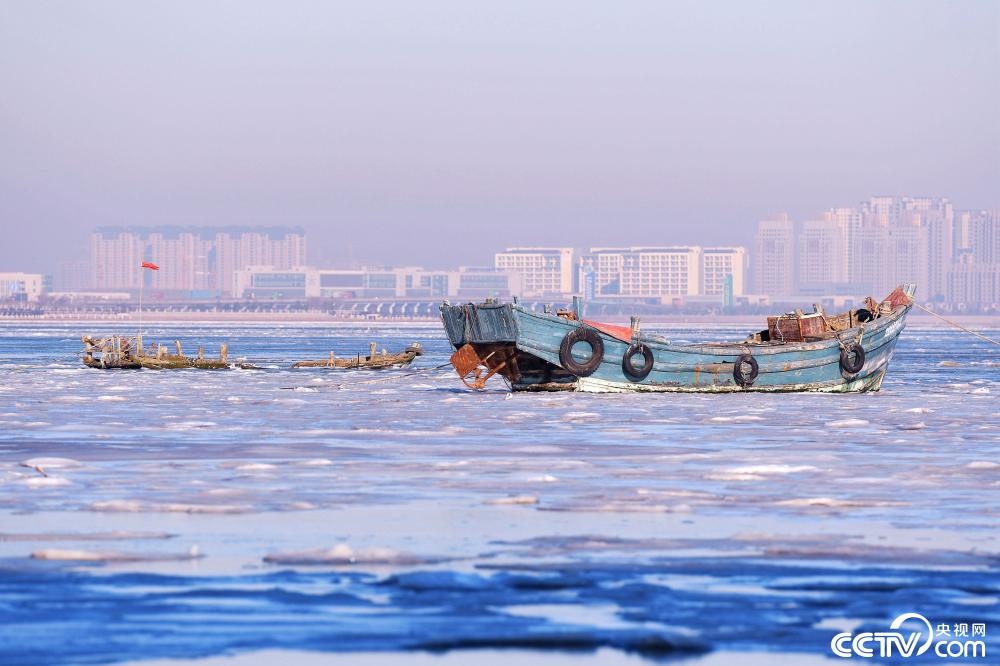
[79,555]
[516,499]
[848,423]
[344,554]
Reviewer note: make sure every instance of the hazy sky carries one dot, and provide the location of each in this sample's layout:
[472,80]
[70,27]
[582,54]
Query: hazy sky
[437,132]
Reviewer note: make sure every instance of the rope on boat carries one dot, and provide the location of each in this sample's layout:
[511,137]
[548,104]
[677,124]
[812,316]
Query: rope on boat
[953,323]
[381,380]
[46,362]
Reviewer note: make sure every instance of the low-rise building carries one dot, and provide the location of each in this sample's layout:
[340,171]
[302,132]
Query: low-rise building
[543,271]
[21,286]
[662,272]
[721,266]
[472,283]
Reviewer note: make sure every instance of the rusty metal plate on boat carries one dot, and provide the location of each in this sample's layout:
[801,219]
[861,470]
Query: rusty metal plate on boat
[466,360]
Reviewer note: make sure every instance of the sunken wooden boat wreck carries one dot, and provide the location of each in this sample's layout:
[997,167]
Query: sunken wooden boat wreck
[123,353]
[373,361]
[847,352]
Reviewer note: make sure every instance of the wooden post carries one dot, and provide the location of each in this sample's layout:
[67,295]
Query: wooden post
[331,363]
[372,349]
[177,344]
[161,351]
[201,353]
[138,346]
[224,353]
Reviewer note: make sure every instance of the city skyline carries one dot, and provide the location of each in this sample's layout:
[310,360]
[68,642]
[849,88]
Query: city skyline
[355,255]
[317,256]
[951,253]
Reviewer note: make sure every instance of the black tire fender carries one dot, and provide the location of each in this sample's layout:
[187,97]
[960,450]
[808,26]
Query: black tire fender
[640,373]
[849,367]
[581,334]
[745,379]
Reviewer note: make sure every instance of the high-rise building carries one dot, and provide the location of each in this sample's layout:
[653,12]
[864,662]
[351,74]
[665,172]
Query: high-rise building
[974,275]
[822,253]
[848,220]
[886,209]
[542,270]
[116,254]
[937,217]
[720,263]
[184,257]
[984,237]
[932,214]
[971,283]
[887,256]
[72,276]
[773,258]
[236,249]
[192,260]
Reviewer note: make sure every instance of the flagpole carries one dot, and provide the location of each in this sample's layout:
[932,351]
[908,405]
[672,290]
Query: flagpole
[142,278]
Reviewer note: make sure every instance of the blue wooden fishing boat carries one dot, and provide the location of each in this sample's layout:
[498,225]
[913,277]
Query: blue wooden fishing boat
[846,352]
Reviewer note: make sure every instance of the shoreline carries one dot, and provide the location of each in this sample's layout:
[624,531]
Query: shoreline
[751,321]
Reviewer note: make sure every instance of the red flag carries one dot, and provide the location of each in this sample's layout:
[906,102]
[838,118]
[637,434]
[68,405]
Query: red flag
[154,267]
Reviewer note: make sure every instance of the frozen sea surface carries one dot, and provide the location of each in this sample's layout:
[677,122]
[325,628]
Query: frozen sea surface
[176,515]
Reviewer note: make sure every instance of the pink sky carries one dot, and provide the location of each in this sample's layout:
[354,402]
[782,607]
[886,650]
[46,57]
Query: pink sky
[435,133]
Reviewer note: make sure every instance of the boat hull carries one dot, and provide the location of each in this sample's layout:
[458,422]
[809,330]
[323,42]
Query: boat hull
[529,345]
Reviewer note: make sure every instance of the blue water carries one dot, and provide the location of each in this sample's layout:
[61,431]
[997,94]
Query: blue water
[184,514]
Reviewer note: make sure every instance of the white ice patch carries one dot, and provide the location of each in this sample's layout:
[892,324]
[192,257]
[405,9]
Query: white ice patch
[73,555]
[344,554]
[52,463]
[517,499]
[757,472]
[46,481]
[542,449]
[132,506]
[773,469]
[581,416]
[829,502]
[729,476]
[187,425]
[847,423]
